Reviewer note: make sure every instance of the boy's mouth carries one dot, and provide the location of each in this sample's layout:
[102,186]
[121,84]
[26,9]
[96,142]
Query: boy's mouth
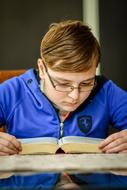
[70,104]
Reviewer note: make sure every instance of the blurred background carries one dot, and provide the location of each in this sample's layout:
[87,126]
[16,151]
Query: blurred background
[24,22]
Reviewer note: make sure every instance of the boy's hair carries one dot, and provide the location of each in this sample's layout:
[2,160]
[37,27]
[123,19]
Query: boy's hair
[70,46]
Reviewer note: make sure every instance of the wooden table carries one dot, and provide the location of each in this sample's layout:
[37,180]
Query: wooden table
[64,162]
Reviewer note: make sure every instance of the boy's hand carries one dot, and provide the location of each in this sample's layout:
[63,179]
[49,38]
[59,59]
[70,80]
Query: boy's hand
[9,144]
[115,143]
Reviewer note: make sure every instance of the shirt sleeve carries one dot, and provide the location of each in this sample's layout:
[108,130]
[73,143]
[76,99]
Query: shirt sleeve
[2,120]
[117,106]
[9,96]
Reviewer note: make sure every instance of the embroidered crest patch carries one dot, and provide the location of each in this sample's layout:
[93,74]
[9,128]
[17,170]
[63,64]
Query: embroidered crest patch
[85,123]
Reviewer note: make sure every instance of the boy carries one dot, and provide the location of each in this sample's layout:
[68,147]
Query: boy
[65,97]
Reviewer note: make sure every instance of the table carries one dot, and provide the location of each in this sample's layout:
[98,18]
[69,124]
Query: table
[14,170]
[64,162]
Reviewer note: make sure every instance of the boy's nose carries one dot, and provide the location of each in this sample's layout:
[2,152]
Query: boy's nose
[74,94]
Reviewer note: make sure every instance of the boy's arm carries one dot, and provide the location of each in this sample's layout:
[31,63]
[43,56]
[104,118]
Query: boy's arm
[115,143]
[117,109]
[9,144]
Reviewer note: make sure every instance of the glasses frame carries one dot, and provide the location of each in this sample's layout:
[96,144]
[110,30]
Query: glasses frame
[72,87]
[50,78]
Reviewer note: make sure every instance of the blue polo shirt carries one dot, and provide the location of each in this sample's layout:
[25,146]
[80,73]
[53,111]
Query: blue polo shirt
[28,113]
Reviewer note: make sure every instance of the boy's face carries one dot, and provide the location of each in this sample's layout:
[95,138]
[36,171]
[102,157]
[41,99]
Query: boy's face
[67,101]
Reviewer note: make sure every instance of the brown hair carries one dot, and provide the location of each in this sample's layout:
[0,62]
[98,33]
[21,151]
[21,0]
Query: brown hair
[70,46]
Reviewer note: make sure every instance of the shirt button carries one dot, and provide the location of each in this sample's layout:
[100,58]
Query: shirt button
[29,81]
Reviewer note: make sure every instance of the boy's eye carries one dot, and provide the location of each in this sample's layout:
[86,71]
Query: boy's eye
[62,84]
[87,84]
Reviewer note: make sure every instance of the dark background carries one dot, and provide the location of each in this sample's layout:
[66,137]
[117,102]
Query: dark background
[113,39]
[24,22]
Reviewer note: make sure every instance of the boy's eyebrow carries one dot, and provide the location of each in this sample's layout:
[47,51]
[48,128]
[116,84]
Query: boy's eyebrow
[66,80]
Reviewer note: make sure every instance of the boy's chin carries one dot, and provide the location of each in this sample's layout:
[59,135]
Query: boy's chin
[68,109]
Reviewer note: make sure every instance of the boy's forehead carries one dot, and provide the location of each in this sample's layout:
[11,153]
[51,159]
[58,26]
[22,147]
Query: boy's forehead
[73,76]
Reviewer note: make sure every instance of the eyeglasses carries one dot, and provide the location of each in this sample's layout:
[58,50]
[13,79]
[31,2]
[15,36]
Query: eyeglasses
[84,87]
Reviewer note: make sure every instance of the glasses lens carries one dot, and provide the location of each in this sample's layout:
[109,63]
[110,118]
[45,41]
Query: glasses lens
[64,88]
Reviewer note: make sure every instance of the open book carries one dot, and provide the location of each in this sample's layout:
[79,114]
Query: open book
[69,144]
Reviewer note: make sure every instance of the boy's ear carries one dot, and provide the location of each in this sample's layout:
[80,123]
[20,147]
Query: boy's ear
[40,68]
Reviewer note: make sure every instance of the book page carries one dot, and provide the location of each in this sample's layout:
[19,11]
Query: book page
[80,139]
[78,144]
[39,145]
[38,140]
